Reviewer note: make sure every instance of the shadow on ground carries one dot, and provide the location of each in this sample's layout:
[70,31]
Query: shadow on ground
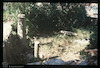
[15,50]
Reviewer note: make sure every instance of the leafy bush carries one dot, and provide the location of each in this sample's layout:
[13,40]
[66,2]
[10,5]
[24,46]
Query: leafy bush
[94,38]
[49,17]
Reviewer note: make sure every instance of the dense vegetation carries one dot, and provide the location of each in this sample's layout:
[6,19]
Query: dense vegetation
[46,16]
[46,19]
[49,16]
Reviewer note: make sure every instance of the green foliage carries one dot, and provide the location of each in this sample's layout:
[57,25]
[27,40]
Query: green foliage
[94,38]
[5,15]
[85,55]
[49,16]
[11,10]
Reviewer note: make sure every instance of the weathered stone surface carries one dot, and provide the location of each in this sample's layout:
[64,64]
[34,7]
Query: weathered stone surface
[36,63]
[21,26]
[68,62]
[54,62]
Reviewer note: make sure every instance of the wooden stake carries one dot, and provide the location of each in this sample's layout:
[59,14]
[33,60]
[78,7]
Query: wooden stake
[36,49]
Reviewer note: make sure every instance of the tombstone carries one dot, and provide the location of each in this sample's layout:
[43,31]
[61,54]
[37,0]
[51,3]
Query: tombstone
[21,30]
